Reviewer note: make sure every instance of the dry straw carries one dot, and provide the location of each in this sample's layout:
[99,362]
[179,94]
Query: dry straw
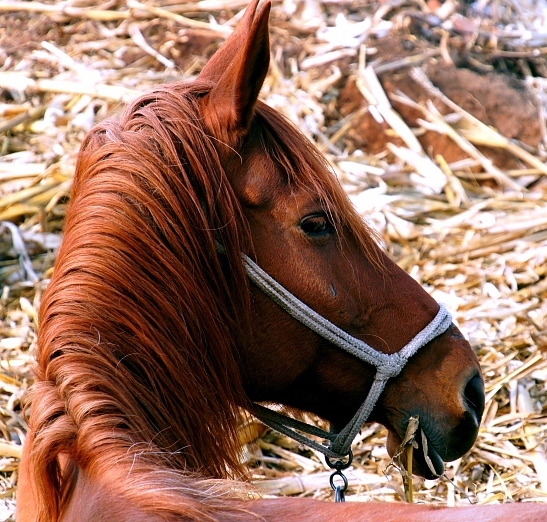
[471,231]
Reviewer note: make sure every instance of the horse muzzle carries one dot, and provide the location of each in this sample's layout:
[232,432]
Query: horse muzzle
[442,436]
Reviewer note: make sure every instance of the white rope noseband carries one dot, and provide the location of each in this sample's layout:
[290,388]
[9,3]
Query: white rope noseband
[388,365]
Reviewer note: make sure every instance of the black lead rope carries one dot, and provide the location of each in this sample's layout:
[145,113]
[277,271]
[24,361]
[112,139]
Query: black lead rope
[339,465]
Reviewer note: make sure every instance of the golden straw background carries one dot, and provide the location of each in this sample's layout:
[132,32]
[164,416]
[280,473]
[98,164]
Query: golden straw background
[471,228]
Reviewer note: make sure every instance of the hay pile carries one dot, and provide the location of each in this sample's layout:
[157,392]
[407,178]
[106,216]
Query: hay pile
[432,114]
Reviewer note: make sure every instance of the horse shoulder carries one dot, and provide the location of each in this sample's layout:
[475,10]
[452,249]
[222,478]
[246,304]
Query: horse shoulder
[26,502]
[309,510]
[92,502]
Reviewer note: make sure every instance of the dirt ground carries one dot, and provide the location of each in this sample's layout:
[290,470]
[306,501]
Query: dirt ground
[497,99]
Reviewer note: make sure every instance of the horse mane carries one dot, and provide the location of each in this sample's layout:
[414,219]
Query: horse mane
[138,380]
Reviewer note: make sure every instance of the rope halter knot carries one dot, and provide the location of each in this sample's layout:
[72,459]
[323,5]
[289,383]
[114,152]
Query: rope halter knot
[391,367]
[387,365]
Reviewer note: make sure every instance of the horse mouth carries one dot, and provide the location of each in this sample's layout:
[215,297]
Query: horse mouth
[426,461]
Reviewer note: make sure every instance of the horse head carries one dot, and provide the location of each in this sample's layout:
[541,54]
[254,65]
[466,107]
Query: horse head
[306,235]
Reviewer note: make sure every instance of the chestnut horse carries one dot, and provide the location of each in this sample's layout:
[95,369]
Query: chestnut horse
[152,338]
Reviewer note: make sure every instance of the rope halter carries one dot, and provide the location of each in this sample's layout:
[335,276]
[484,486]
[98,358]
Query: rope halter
[387,365]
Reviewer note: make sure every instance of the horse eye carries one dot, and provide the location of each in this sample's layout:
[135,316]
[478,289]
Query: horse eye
[317,225]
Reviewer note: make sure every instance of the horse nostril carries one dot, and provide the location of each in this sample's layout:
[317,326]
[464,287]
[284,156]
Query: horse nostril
[474,397]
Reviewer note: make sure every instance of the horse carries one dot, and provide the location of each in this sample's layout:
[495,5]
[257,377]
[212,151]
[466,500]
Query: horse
[154,337]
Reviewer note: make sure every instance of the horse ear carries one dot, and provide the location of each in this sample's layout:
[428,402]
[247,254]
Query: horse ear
[231,102]
[221,59]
